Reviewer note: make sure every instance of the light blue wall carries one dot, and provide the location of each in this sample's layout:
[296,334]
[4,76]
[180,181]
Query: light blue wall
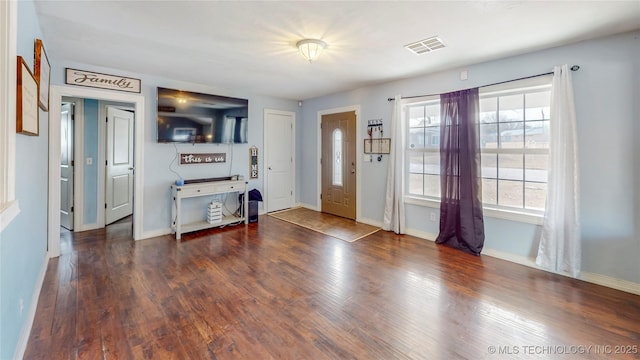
[158,157]
[606,91]
[24,241]
[90,171]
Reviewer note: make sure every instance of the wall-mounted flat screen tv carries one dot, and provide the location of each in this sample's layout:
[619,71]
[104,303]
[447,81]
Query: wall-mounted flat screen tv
[190,117]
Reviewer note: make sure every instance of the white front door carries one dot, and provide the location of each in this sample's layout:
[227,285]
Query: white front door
[119,167]
[279,159]
[66,166]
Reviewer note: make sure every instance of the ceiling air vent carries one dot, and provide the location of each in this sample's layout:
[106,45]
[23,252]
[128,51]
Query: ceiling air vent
[425,46]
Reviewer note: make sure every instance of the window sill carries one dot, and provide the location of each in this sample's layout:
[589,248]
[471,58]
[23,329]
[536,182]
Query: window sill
[528,218]
[8,212]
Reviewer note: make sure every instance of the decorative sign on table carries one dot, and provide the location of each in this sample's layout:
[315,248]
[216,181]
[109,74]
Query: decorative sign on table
[253,162]
[102,81]
[209,158]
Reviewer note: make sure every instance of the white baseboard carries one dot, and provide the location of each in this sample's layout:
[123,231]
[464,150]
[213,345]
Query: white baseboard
[31,315]
[87,227]
[421,234]
[155,233]
[618,284]
[308,206]
[370,222]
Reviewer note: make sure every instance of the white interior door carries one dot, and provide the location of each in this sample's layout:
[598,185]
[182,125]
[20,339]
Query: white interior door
[119,164]
[66,166]
[279,153]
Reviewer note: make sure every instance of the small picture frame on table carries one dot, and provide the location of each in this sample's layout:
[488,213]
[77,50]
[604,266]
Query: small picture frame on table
[42,74]
[27,114]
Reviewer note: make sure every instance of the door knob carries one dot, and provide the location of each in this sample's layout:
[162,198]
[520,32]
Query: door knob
[269,167]
[132,168]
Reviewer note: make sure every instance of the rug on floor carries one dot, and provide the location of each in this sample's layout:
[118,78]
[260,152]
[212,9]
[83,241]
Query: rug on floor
[335,226]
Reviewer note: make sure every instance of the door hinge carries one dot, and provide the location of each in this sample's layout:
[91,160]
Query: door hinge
[73,163]
[105,205]
[107,119]
[320,196]
[72,209]
[320,161]
[73,116]
[106,163]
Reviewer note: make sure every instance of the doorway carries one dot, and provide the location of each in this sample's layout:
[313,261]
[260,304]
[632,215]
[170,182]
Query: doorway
[338,163]
[137,103]
[279,144]
[66,165]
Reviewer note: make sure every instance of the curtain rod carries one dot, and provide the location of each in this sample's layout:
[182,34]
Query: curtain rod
[573,68]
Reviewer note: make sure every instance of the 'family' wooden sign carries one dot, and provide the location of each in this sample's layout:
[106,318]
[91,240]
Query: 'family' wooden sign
[102,81]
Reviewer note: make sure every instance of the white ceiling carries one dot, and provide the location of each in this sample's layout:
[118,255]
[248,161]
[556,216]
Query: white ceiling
[249,47]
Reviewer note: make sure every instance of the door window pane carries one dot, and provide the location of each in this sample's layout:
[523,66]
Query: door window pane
[337,157]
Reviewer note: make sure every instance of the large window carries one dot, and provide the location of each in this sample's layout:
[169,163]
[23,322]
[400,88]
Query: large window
[514,136]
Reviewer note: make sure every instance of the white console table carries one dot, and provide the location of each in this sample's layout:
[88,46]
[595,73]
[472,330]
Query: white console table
[178,193]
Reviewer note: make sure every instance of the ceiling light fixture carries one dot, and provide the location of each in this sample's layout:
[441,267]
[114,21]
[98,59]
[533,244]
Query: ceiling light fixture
[311,48]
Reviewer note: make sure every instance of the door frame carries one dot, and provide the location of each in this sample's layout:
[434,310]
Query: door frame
[75,215]
[266,152]
[78,151]
[359,152]
[57,92]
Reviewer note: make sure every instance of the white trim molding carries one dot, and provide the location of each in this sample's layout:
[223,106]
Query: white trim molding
[57,92]
[598,279]
[9,207]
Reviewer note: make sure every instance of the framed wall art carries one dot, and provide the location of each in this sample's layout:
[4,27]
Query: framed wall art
[27,121]
[42,73]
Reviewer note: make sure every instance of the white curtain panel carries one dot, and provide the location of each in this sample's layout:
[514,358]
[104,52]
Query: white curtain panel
[560,249]
[394,206]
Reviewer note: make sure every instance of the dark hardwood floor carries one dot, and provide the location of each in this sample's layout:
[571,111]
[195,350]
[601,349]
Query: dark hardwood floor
[273,290]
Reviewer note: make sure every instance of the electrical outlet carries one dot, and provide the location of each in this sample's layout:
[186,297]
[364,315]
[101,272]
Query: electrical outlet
[432,216]
[21,305]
